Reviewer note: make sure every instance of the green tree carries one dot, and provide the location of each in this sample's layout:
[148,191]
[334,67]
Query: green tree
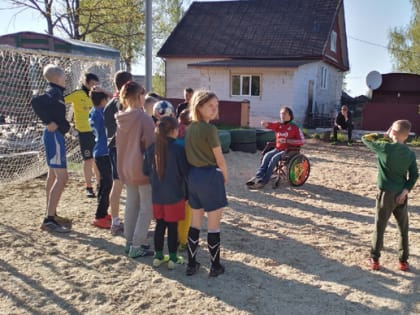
[116,23]
[404,43]
[167,14]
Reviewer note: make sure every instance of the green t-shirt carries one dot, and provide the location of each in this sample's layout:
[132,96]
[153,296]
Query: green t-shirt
[395,160]
[200,139]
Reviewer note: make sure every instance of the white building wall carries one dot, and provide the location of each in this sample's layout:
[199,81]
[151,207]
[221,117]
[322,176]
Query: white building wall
[327,100]
[179,76]
[303,75]
[279,87]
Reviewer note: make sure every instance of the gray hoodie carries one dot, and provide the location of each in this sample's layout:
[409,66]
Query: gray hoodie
[135,133]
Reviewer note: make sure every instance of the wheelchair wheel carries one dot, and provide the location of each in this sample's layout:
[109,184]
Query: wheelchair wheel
[298,170]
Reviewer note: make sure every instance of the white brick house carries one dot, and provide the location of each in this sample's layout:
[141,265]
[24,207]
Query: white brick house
[285,59]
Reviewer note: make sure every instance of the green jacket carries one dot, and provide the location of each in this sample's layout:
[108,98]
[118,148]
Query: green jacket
[395,160]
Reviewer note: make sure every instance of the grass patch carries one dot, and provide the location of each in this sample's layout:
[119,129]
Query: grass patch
[74,166]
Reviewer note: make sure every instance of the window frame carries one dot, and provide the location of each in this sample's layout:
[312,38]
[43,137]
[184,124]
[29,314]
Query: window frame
[324,78]
[250,78]
[333,43]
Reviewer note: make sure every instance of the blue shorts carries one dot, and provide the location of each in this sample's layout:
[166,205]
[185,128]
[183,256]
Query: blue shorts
[206,188]
[55,149]
[113,159]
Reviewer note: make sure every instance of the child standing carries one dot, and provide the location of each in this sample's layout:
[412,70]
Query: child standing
[395,160]
[82,105]
[50,108]
[134,134]
[101,156]
[184,121]
[206,179]
[167,166]
[113,106]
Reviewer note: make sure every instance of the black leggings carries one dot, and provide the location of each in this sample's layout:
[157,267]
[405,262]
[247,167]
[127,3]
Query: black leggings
[159,237]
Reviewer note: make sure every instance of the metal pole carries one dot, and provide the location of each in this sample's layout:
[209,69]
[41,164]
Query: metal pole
[148,46]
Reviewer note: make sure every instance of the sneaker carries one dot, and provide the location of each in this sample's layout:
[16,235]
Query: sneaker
[127,248]
[63,221]
[108,217]
[117,229]
[257,185]
[191,270]
[403,266]
[142,251]
[372,264]
[102,223]
[350,144]
[157,262]
[333,142]
[90,193]
[215,271]
[182,247]
[172,264]
[52,226]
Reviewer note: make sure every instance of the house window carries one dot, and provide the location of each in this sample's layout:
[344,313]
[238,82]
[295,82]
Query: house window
[246,85]
[324,76]
[334,41]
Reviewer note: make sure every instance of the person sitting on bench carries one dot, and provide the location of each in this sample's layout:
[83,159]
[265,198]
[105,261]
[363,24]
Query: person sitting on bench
[343,121]
[288,134]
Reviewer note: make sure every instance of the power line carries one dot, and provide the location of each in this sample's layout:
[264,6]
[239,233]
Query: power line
[368,42]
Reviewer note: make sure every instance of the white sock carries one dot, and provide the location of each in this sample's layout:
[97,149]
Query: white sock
[115,221]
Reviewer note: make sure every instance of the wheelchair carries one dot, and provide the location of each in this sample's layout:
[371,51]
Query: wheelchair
[293,166]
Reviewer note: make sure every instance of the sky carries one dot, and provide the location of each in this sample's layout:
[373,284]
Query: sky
[368,23]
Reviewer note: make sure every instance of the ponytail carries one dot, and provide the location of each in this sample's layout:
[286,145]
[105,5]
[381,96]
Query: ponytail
[165,126]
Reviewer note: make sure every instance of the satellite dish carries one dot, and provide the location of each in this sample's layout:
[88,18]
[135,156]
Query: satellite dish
[374,80]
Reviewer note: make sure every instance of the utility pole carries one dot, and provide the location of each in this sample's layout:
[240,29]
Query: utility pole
[148,53]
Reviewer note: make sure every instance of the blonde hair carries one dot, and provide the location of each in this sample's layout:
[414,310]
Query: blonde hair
[52,72]
[199,98]
[129,93]
[402,126]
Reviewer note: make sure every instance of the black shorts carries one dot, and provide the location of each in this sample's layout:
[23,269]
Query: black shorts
[87,143]
[206,188]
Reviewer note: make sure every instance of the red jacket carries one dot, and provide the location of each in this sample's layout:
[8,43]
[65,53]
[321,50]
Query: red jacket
[287,135]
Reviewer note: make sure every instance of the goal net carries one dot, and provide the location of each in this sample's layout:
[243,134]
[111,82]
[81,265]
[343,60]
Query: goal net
[22,154]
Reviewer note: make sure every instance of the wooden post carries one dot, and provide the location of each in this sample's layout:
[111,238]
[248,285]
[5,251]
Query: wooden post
[245,107]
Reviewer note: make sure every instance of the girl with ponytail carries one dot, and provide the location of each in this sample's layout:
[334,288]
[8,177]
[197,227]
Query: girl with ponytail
[166,165]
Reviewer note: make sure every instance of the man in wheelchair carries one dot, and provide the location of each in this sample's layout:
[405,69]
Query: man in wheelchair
[288,137]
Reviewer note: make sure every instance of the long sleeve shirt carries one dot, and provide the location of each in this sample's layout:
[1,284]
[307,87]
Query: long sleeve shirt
[172,187]
[50,107]
[96,121]
[395,161]
[287,135]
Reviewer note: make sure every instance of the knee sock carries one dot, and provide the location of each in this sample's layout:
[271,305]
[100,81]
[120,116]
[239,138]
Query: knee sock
[159,235]
[193,238]
[172,240]
[213,243]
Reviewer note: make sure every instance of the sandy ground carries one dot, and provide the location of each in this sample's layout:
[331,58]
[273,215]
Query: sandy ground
[286,251]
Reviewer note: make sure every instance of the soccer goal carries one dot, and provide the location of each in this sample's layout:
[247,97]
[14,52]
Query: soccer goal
[22,154]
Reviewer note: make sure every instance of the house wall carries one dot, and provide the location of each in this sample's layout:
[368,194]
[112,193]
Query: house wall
[327,100]
[279,87]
